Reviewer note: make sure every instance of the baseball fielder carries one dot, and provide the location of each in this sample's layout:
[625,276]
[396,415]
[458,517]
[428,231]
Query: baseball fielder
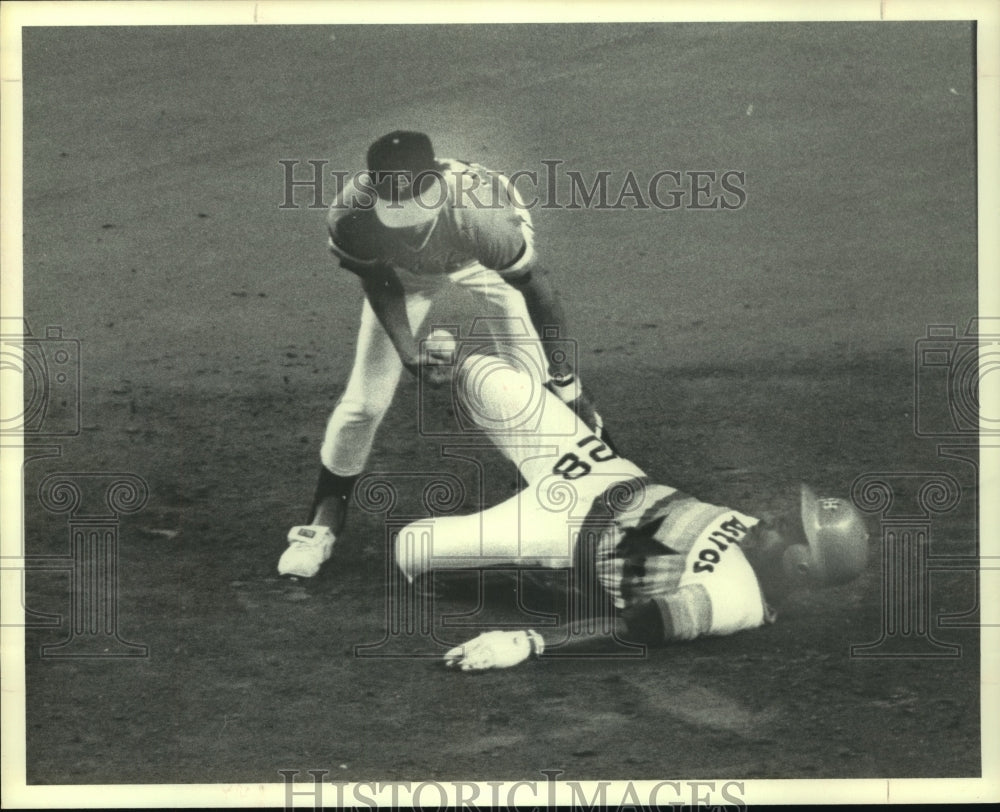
[423,223]
[674,567]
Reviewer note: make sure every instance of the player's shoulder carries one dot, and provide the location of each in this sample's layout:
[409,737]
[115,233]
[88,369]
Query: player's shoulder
[353,201]
[481,199]
[468,179]
[352,224]
[455,167]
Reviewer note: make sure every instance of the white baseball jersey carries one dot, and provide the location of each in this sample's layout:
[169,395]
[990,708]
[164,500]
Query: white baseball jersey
[480,220]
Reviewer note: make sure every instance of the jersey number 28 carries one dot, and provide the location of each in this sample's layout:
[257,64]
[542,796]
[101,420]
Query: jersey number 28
[570,466]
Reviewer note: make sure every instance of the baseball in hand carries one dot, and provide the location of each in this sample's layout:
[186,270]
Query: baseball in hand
[438,355]
[439,347]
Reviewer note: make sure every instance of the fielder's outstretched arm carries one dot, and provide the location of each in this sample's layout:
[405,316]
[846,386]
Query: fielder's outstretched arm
[388,299]
[546,311]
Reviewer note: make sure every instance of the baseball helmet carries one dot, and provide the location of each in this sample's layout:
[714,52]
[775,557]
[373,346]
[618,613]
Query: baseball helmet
[837,541]
[403,167]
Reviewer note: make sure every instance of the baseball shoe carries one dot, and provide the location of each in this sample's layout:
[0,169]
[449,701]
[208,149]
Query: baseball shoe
[308,547]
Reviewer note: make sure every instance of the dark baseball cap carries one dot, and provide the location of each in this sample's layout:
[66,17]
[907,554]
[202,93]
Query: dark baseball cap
[402,165]
[401,151]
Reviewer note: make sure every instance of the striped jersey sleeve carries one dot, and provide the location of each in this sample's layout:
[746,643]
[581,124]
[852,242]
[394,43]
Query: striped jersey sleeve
[684,555]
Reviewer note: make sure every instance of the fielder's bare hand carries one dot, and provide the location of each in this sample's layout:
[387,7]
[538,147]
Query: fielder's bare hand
[431,367]
[438,355]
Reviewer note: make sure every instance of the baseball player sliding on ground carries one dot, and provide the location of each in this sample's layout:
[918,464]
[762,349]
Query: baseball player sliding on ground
[423,223]
[675,568]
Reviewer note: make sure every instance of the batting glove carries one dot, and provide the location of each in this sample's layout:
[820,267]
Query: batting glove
[496,650]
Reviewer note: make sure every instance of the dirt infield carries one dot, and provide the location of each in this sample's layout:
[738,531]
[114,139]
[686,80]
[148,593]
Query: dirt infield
[734,353]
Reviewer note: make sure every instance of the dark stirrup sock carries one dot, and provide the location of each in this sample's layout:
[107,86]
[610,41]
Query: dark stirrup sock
[330,484]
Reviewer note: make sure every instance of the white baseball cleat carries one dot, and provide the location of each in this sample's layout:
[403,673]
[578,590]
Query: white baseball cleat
[308,547]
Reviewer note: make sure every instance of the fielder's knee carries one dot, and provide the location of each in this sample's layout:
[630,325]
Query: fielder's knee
[354,410]
[349,434]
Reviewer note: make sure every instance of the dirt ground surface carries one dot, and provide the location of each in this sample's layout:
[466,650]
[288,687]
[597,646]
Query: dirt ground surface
[733,353]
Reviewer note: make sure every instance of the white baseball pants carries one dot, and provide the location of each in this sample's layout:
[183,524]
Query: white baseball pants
[352,426]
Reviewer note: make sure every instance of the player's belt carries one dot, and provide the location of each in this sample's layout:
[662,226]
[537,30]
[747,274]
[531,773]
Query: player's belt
[603,517]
